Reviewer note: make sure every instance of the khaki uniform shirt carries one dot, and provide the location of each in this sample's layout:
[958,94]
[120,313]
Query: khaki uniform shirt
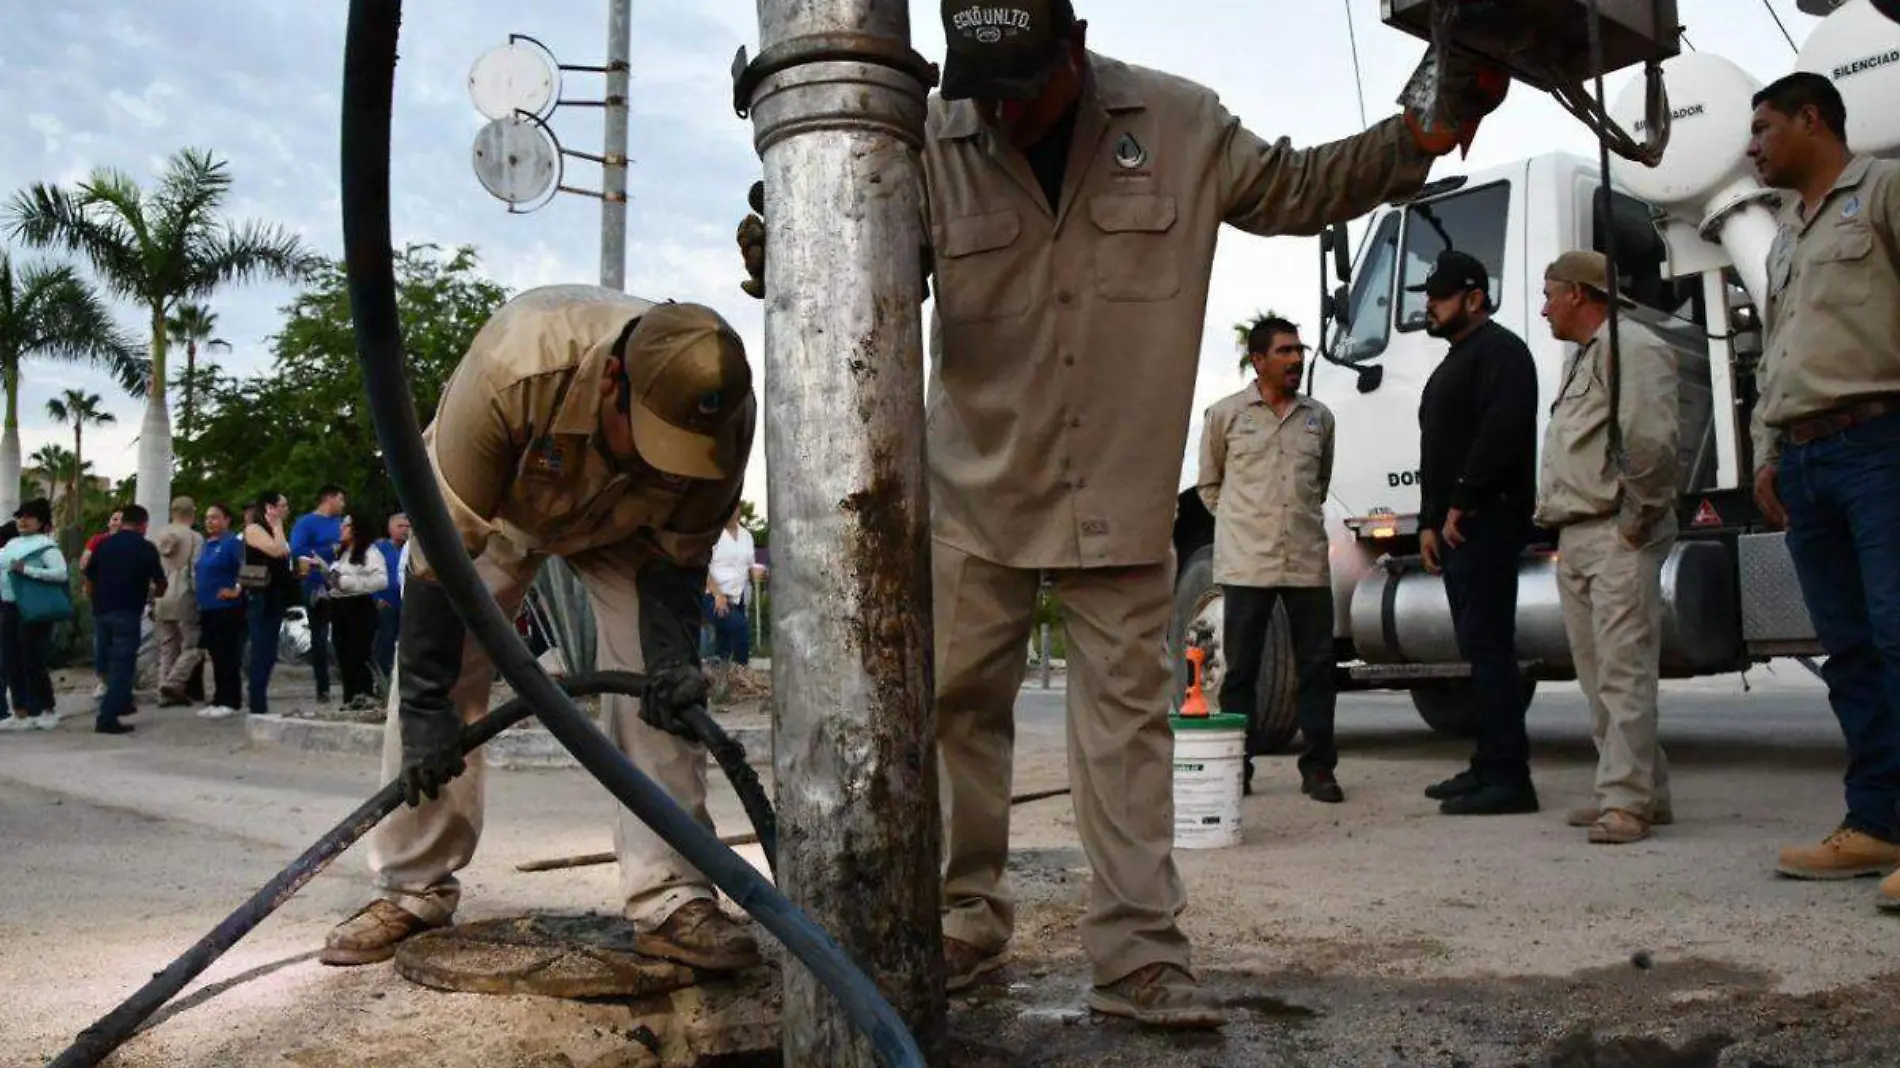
[1579,480]
[178,548]
[1833,314]
[519,454]
[1265,477]
[1067,342]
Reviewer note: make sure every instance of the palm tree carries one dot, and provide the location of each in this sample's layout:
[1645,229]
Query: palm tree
[159,248]
[192,325]
[54,464]
[81,409]
[49,311]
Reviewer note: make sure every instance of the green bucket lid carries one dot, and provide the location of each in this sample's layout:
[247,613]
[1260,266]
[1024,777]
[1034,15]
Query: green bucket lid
[1220,721]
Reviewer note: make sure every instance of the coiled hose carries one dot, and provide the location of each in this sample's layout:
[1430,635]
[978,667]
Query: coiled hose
[369,72]
[97,1042]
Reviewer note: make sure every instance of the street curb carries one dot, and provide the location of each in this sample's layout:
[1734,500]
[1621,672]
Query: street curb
[515,749]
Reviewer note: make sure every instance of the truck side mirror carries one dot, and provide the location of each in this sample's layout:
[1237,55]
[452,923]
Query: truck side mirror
[1336,308]
[1333,240]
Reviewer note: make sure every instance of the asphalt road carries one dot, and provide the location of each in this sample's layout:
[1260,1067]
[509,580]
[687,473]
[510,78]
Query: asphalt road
[1370,933]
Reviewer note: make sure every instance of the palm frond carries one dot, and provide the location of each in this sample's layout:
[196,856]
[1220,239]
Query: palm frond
[248,251]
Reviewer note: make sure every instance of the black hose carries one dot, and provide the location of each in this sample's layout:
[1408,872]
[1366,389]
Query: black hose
[368,85]
[95,1043]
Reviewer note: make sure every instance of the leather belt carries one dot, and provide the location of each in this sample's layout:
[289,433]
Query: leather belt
[1846,417]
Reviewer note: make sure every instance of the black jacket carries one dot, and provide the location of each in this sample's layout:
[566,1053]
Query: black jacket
[1477,425]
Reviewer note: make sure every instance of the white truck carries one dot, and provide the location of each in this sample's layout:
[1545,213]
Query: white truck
[1691,238]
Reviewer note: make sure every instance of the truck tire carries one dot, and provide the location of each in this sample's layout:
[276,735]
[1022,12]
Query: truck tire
[1449,708]
[1276,707]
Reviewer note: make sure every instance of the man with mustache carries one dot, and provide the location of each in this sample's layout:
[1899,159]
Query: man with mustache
[1266,464]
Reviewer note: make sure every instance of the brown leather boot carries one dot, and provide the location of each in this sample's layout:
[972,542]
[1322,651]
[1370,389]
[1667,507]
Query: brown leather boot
[1161,996]
[1845,854]
[1586,815]
[700,935]
[964,963]
[372,934]
[1617,827]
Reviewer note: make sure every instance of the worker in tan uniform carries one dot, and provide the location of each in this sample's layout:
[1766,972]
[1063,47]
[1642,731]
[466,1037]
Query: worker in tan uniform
[613,433]
[175,613]
[1827,443]
[1265,467]
[1072,207]
[1613,505]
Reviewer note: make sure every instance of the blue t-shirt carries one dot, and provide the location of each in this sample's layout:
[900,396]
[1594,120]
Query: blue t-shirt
[390,595]
[124,570]
[315,535]
[218,570]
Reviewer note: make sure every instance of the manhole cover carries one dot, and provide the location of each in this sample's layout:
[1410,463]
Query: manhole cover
[563,956]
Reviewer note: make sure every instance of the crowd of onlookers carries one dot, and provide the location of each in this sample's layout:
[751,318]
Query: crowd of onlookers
[213,591]
[216,592]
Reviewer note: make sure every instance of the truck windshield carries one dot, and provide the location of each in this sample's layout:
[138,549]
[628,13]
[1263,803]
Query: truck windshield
[1369,315]
[1471,221]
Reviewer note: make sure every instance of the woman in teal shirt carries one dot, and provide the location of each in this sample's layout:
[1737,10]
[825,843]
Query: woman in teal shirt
[25,648]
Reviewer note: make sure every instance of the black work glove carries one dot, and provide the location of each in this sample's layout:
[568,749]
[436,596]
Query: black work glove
[752,242]
[670,616]
[430,645]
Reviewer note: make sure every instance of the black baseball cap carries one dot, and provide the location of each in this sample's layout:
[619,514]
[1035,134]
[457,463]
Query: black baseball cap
[1454,273]
[1001,51]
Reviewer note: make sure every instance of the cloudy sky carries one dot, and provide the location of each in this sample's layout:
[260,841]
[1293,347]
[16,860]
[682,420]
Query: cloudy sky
[91,83]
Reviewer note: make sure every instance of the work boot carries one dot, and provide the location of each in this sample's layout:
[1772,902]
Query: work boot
[1845,854]
[372,934]
[1586,815]
[964,963]
[1321,786]
[1889,899]
[1458,785]
[1618,827]
[1493,799]
[700,935]
[1158,995]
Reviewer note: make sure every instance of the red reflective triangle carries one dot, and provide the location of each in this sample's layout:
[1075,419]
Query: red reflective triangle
[1706,516]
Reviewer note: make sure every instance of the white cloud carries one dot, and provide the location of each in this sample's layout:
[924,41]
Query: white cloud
[258,84]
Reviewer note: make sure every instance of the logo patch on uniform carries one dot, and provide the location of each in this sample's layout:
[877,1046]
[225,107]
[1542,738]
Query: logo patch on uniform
[1128,153]
[1312,423]
[546,458]
[1851,208]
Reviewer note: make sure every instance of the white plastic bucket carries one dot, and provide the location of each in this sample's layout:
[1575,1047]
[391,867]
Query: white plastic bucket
[1209,755]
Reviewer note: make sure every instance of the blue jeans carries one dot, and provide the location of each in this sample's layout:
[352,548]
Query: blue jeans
[117,645]
[267,628]
[1842,494]
[731,634]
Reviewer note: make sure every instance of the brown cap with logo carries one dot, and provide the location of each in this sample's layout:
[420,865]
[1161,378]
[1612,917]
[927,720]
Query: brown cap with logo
[1001,51]
[1587,269]
[688,375]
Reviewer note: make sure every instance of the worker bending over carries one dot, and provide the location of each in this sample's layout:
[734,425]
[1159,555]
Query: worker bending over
[613,433]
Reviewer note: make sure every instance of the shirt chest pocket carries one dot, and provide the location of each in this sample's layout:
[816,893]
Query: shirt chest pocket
[979,267]
[1838,268]
[1135,247]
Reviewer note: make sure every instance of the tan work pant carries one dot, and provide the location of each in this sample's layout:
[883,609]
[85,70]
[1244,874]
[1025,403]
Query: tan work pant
[1121,750]
[178,652]
[415,853]
[1612,603]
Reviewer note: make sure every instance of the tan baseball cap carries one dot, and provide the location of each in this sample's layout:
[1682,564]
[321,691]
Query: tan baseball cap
[688,375]
[1587,269]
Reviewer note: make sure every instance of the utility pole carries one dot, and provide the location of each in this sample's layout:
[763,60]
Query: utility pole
[837,101]
[613,184]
